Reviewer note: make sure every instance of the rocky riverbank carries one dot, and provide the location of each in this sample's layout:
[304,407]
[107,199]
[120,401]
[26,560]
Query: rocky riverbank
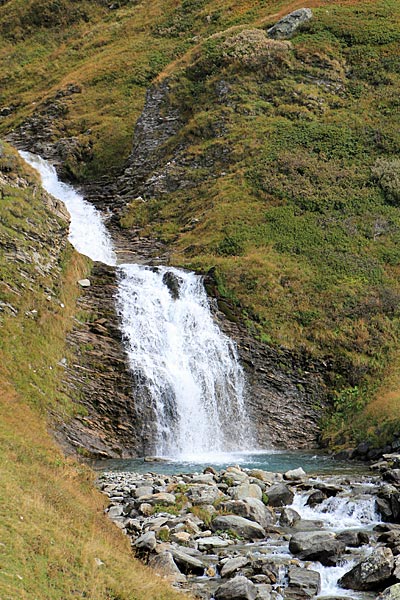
[252,534]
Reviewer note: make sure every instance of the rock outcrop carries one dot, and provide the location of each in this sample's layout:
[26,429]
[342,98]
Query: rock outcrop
[117,420]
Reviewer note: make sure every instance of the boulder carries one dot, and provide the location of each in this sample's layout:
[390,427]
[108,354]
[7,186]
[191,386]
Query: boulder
[247,490]
[279,495]
[203,494]
[186,562]
[321,546]
[146,542]
[353,539]
[391,593]
[238,588]
[316,497]
[242,527]
[287,27]
[233,564]
[370,574]
[213,541]
[303,583]
[160,498]
[289,517]
[165,565]
[173,283]
[294,474]
[252,509]
[84,283]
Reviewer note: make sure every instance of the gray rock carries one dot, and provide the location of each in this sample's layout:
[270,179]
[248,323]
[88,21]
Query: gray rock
[212,541]
[115,511]
[251,508]
[391,593]
[371,573]
[203,494]
[289,517]
[160,498]
[303,583]
[234,564]
[263,591]
[247,490]
[324,547]
[145,490]
[240,526]
[173,283]
[353,539]
[287,27]
[146,542]
[294,474]
[84,283]
[238,588]
[279,495]
[186,562]
[316,497]
[165,565]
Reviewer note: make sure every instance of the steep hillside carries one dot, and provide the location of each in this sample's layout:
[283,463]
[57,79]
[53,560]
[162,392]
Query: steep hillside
[55,541]
[276,162]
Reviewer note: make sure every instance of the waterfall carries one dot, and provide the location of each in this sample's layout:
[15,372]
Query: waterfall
[190,368]
[87,232]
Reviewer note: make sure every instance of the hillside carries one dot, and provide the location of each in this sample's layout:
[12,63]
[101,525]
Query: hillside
[280,170]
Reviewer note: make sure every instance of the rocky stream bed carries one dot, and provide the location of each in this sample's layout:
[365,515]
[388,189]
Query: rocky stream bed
[242,534]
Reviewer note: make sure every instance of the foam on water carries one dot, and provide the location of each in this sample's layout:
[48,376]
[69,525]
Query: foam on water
[339,512]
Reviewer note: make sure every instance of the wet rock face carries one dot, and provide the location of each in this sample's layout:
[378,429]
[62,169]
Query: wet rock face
[173,283]
[118,423]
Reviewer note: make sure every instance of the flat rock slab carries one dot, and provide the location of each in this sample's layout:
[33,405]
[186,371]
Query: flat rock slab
[240,526]
[324,547]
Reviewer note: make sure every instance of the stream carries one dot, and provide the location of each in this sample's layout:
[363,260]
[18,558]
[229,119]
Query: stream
[198,391]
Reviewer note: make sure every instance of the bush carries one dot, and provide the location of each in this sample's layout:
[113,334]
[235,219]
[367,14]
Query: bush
[386,173]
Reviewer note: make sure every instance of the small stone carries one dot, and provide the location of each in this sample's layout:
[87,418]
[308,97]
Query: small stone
[84,283]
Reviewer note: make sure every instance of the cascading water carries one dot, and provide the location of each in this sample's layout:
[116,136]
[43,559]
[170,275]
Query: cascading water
[190,368]
[87,232]
[339,512]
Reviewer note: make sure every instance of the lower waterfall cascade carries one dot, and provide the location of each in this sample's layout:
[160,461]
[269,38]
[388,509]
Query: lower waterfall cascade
[189,366]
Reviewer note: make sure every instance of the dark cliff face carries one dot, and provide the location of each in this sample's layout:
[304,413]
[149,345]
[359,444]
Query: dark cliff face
[285,393]
[117,419]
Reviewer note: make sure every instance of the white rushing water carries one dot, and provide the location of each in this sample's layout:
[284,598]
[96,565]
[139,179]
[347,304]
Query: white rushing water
[339,512]
[87,233]
[190,367]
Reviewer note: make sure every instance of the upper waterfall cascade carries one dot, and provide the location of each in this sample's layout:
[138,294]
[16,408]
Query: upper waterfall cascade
[189,366]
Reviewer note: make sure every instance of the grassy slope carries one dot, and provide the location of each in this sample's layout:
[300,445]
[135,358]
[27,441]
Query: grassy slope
[52,527]
[303,236]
